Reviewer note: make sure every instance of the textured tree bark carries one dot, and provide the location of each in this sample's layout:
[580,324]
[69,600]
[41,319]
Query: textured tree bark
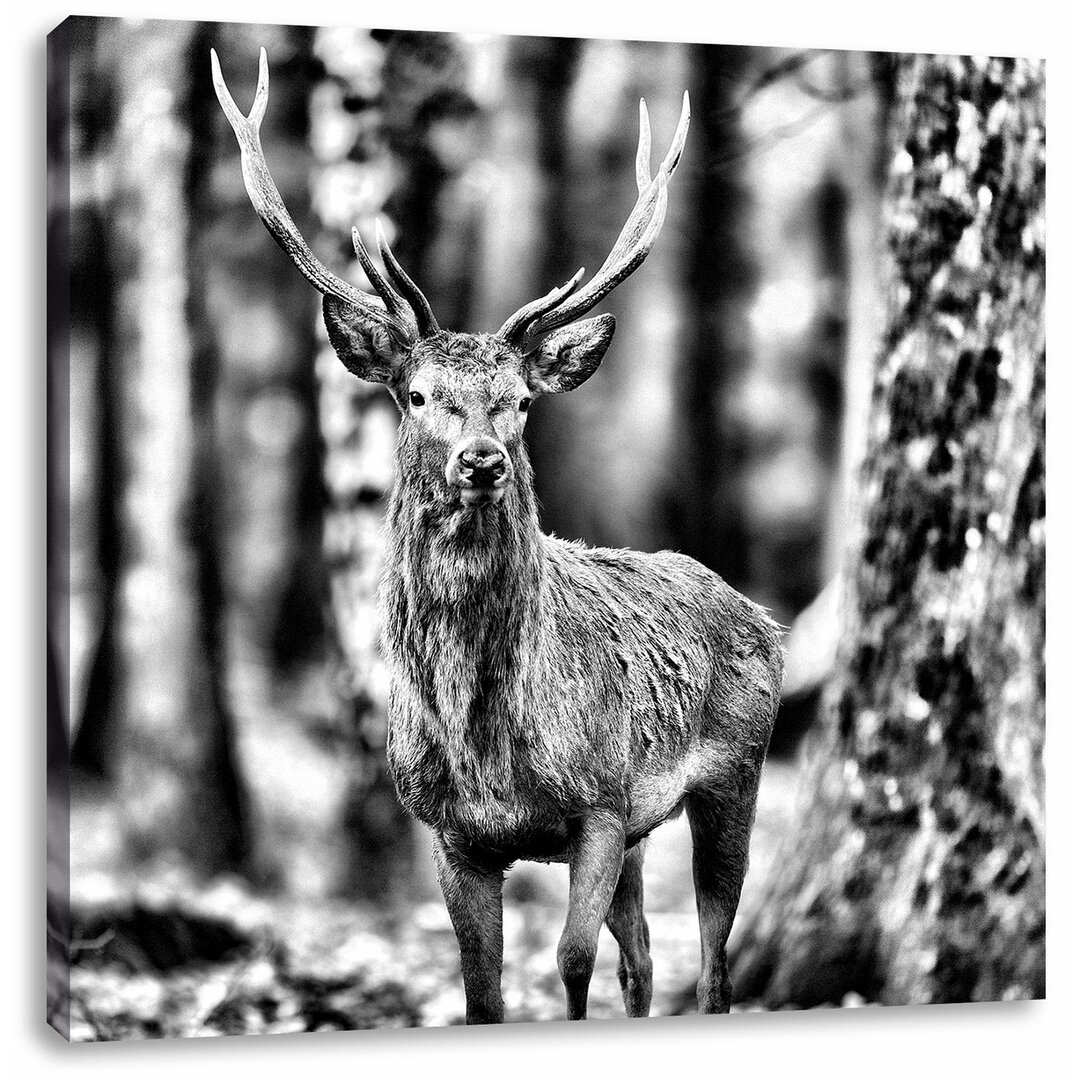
[177,785]
[917,872]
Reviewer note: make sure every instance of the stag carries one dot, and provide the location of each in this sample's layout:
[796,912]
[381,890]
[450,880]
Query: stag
[549,701]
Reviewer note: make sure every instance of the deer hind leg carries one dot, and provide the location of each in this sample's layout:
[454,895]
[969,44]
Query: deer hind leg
[626,921]
[473,897]
[596,859]
[721,835]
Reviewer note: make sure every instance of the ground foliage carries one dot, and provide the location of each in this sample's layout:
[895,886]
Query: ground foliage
[189,962]
[161,954]
[183,961]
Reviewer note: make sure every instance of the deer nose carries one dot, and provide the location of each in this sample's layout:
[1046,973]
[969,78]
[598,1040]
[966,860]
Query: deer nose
[479,463]
[484,462]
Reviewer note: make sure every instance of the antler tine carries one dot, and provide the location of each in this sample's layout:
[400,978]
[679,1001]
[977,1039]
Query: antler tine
[262,90]
[631,248]
[644,149]
[515,327]
[678,142]
[395,305]
[265,197]
[425,318]
[639,220]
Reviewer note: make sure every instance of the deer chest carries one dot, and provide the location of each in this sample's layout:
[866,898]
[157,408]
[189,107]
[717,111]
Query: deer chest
[481,775]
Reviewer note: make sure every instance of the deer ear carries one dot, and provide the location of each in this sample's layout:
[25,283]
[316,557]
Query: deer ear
[569,356]
[363,344]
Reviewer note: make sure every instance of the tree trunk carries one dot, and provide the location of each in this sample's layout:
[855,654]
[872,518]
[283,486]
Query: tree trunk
[813,125]
[720,279]
[253,325]
[604,455]
[58,533]
[178,788]
[357,421]
[917,872]
[255,322]
[93,427]
[378,123]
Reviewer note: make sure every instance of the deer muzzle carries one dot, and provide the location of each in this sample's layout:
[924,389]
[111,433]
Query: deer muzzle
[479,469]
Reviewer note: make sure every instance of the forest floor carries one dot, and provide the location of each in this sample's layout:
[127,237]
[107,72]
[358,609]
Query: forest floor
[164,956]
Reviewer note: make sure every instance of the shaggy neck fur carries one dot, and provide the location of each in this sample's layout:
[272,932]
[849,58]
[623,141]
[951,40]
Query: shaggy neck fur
[461,602]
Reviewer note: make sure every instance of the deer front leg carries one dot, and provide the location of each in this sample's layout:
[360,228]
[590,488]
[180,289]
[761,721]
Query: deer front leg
[473,895]
[596,858]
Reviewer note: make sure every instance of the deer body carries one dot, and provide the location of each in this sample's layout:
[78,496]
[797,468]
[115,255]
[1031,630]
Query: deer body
[548,701]
[534,679]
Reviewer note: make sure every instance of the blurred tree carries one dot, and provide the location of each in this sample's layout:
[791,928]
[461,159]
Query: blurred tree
[357,422]
[58,530]
[807,131]
[721,278]
[379,131]
[525,156]
[603,456]
[814,122]
[917,872]
[94,391]
[170,747]
[860,166]
[431,122]
[252,325]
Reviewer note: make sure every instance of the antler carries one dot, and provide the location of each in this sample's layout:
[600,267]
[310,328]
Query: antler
[536,320]
[408,317]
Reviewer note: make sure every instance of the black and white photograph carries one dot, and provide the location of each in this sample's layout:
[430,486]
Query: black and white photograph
[540,528]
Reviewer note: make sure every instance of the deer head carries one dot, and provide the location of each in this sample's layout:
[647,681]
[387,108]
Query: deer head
[463,397]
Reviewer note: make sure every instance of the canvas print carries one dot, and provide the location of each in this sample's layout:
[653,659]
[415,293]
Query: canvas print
[539,529]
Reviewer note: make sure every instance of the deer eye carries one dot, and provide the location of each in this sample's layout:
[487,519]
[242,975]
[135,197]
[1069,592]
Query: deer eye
[416,399]
[523,405]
